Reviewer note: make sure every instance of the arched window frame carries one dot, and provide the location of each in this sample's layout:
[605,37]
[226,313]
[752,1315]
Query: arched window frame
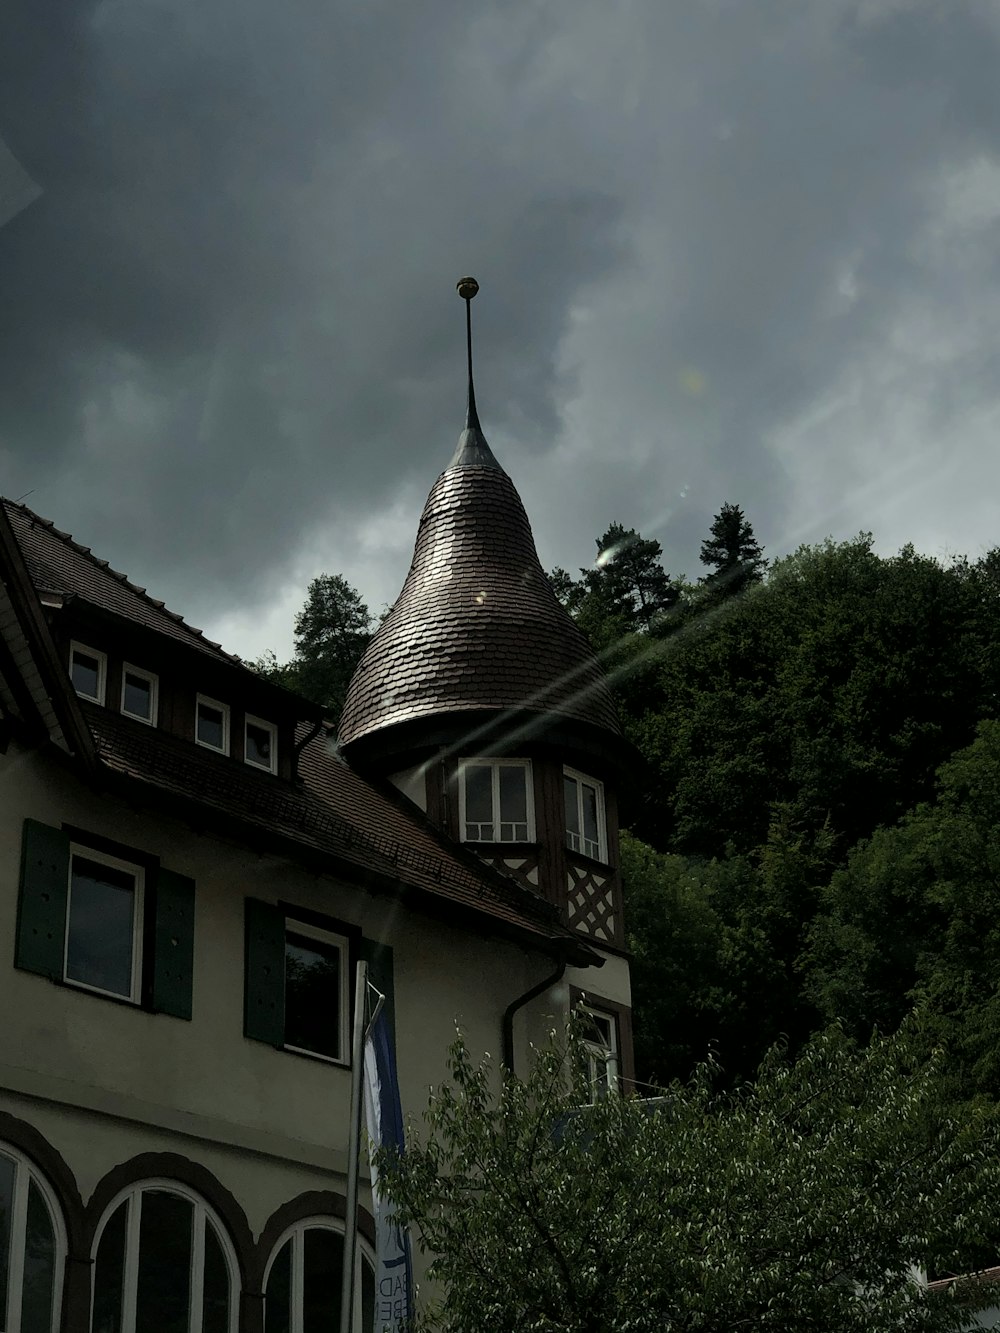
[204,1214]
[26,1173]
[295,1233]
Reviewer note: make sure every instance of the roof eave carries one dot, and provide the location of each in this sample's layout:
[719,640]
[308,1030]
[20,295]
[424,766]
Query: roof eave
[31,619]
[247,831]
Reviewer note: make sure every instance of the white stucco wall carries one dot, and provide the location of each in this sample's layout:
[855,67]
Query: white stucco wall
[104,1081]
[412,782]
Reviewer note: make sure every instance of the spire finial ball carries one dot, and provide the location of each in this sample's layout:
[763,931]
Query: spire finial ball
[467,288]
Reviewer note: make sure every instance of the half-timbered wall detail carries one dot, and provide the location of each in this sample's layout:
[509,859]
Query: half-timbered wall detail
[592,903]
[524,868]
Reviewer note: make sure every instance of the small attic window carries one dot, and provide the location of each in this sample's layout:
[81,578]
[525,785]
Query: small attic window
[88,670]
[139,694]
[212,724]
[260,744]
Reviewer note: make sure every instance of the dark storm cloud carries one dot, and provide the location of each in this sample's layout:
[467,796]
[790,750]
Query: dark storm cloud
[229,332]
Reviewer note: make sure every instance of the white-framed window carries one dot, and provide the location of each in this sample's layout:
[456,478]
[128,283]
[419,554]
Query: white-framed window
[102,950]
[304,1279]
[32,1248]
[495,800]
[162,1260]
[586,830]
[260,744]
[88,670]
[211,724]
[600,1039]
[317,971]
[140,694]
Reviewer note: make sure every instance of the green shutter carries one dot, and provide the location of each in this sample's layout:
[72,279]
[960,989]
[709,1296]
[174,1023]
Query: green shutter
[173,944]
[378,956]
[264,983]
[41,911]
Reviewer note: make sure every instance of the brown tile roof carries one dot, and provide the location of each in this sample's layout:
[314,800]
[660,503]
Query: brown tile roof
[59,564]
[334,813]
[476,625]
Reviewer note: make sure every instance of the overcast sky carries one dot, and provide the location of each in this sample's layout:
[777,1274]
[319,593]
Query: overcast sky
[728,251]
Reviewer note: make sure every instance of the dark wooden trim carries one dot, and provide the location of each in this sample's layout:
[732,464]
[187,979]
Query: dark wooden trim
[622,1014]
[30,717]
[34,626]
[173,1166]
[19,1134]
[313,1203]
[435,794]
[549,832]
[592,748]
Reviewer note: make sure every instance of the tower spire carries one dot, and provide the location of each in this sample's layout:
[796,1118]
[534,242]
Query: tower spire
[472,451]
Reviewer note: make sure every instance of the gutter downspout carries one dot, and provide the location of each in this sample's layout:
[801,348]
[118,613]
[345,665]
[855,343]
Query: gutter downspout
[519,1003]
[299,746]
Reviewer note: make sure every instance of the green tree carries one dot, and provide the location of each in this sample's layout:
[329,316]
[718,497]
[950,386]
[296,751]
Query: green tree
[736,557]
[332,631]
[833,691]
[717,949]
[915,915]
[800,1201]
[624,592]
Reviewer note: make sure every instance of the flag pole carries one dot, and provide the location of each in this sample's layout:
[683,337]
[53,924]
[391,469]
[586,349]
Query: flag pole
[354,1151]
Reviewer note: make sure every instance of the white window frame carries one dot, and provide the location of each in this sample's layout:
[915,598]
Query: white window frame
[102,671]
[204,1215]
[295,1233]
[603,1061]
[495,765]
[154,693]
[219,707]
[24,1174]
[139,874]
[251,721]
[340,942]
[602,826]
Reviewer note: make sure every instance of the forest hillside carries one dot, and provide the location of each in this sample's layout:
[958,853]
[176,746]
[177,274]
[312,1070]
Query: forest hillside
[814,834]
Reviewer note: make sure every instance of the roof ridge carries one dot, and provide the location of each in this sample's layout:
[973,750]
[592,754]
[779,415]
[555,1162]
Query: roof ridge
[122,578]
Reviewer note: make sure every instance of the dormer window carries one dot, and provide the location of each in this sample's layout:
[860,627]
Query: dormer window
[495,800]
[139,694]
[212,724]
[260,744]
[88,670]
[585,824]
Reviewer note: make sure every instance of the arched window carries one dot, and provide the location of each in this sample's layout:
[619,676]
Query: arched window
[304,1279]
[32,1248]
[163,1264]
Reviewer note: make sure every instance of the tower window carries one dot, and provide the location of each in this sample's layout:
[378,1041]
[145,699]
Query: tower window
[495,800]
[585,824]
[600,1049]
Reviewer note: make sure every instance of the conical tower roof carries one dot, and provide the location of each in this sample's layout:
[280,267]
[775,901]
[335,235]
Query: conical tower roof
[477,629]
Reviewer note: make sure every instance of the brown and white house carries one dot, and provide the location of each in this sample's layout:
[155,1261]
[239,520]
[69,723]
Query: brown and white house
[190,866]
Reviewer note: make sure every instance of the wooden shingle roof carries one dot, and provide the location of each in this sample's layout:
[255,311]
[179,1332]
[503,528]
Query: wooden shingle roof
[59,564]
[477,625]
[331,818]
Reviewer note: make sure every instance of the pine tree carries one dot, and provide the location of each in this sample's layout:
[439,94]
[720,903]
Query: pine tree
[626,590]
[734,551]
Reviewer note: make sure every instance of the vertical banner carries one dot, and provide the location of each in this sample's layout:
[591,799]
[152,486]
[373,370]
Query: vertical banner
[384,1116]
